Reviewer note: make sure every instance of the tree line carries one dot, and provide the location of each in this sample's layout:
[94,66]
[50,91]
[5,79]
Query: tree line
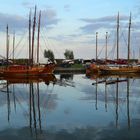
[68,54]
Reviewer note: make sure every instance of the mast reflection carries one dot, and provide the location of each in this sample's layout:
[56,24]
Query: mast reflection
[128,92]
[8,102]
[96,93]
[105,96]
[33,84]
[39,112]
[108,81]
[117,102]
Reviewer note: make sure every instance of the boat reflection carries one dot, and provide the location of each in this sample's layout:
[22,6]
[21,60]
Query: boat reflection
[37,111]
[65,80]
[116,81]
[9,86]
[105,76]
[50,78]
[33,112]
[66,76]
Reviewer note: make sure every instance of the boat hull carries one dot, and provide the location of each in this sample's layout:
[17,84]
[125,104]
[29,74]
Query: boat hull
[119,70]
[92,69]
[18,71]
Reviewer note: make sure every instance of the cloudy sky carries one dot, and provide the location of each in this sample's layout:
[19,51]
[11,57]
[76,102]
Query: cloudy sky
[72,24]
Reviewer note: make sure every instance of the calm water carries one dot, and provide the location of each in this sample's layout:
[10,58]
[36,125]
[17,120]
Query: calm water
[71,109]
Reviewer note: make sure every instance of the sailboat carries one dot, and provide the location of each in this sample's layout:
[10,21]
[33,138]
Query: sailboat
[121,69]
[30,69]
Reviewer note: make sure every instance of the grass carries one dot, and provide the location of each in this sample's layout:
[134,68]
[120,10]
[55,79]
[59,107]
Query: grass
[77,66]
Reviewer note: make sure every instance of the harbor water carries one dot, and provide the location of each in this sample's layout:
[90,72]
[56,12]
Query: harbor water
[74,107]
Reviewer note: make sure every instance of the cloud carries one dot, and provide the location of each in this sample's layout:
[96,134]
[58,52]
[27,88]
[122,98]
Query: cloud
[49,17]
[71,38]
[18,23]
[90,28]
[136,25]
[108,22]
[105,19]
[27,5]
[137,11]
[48,14]
[67,7]
[14,21]
[64,131]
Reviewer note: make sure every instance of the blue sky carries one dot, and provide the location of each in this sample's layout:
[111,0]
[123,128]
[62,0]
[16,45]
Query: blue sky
[72,24]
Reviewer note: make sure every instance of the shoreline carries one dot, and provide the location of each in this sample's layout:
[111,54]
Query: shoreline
[69,70]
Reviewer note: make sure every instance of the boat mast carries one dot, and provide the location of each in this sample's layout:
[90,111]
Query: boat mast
[33,35]
[30,37]
[96,45]
[118,36]
[13,46]
[129,30]
[106,45]
[7,45]
[38,37]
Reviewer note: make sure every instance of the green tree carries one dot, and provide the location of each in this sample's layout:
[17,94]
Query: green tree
[69,54]
[49,54]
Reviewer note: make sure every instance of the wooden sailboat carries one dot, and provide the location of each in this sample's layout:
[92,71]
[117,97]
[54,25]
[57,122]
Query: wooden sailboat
[30,69]
[121,69]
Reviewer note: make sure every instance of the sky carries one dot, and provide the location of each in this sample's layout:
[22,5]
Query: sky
[72,25]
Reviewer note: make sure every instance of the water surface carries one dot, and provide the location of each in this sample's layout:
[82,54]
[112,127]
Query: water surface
[72,108]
